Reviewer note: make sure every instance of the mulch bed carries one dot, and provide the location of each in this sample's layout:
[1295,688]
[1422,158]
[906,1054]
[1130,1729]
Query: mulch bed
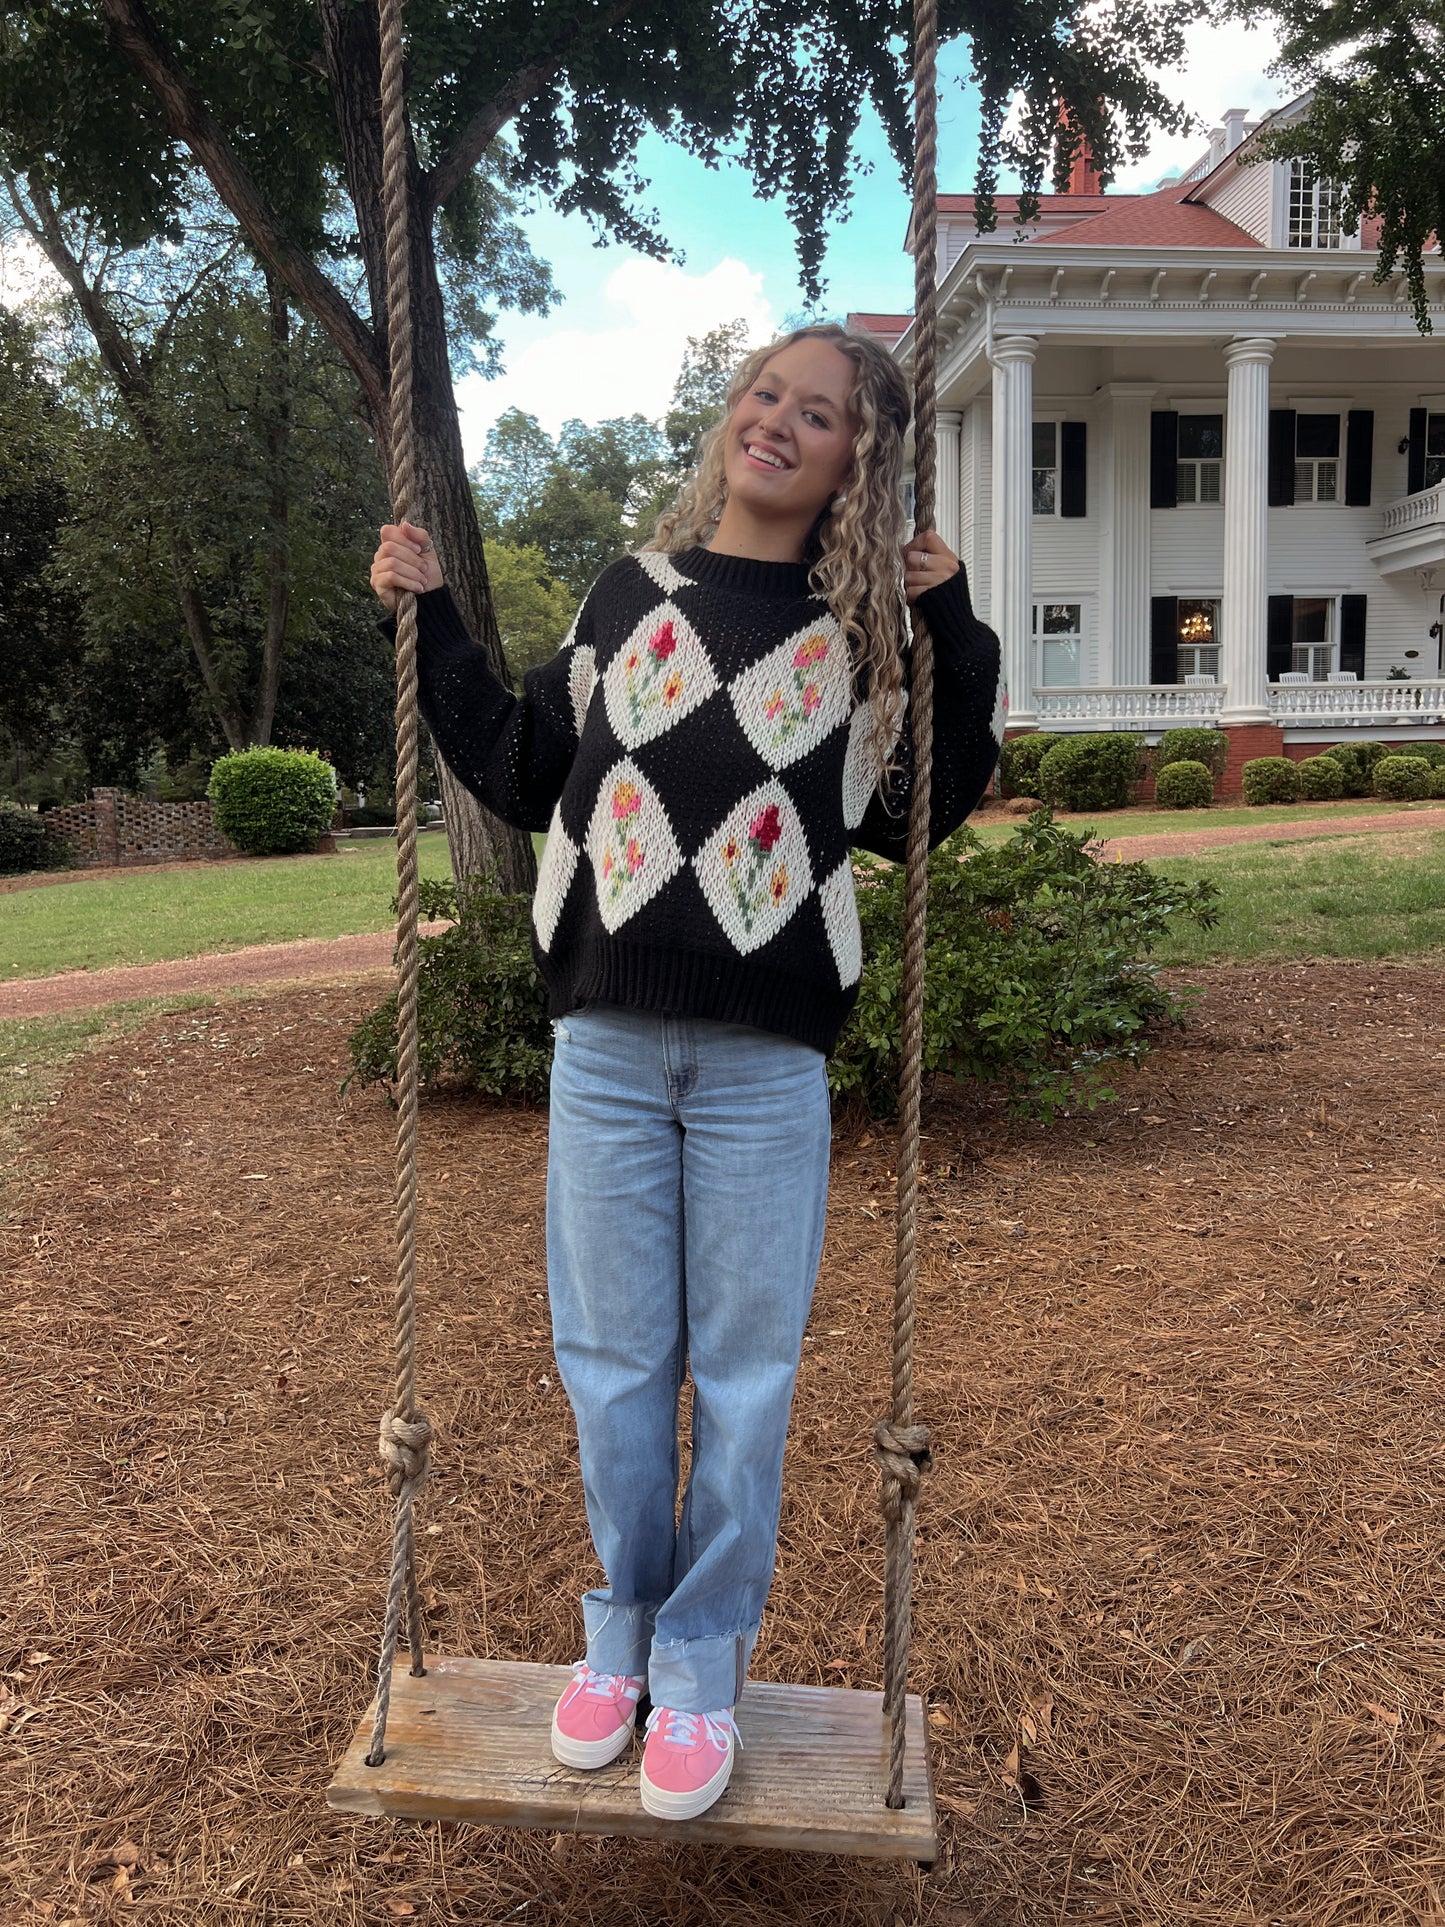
[1179,1623]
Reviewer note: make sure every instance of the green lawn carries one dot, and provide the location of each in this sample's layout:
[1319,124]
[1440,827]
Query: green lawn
[1379,895]
[1121,823]
[95,922]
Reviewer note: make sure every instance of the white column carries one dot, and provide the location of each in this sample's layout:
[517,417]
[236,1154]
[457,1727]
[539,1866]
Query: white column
[950,439]
[1244,612]
[1124,534]
[1011,584]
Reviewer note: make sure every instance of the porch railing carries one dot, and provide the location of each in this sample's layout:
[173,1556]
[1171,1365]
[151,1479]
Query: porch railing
[1355,703]
[1292,705]
[1414,511]
[1143,705]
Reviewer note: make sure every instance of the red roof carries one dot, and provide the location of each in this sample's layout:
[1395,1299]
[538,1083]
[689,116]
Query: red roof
[881,324]
[1048,203]
[1162,220]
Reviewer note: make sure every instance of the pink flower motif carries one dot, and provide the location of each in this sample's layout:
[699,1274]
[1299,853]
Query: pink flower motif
[809,652]
[636,856]
[773,706]
[812,696]
[765,828]
[663,643]
[626,801]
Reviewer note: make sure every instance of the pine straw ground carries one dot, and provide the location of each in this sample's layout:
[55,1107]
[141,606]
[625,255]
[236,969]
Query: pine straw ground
[1181,1548]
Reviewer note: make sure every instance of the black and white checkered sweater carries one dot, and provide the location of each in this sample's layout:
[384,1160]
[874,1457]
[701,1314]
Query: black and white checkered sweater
[702,767]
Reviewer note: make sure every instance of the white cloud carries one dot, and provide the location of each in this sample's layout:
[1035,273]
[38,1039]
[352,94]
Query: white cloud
[1224,66]
[628,360]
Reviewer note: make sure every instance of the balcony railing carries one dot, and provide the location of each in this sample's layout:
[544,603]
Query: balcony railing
[1414,511]
[1350,705]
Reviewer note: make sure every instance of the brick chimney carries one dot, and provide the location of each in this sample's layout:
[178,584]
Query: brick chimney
[1083,175]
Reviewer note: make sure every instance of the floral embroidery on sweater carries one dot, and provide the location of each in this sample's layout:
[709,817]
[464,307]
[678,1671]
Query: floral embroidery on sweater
[796,695]
[630,843]
[659,675]
[754,870]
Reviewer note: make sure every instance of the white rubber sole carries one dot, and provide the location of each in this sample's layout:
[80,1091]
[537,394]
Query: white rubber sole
[686,1806]
[590,1753]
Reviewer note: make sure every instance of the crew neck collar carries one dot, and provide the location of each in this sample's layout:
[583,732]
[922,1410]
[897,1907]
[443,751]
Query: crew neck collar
[743,575]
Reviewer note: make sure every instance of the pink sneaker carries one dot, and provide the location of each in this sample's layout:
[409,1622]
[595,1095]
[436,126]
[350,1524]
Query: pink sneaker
[687,1761]
[594,1718]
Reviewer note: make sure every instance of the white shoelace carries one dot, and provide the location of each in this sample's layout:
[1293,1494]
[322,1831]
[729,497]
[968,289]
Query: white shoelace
[606,1686]
[682,1728]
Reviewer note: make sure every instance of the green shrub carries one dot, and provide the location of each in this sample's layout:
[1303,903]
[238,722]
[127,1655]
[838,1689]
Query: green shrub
[1321,779]
[272,801]
[1357,760]
[482,1005]
[1092,772]
[1019,759]
[1207,746]
[1185,785]
[1437,780]
[1404,779]
[1431,753]
[1038,980]
[26,843]
[1271,779]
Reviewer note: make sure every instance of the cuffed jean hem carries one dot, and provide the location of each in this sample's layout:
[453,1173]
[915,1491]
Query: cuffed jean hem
[689,1675]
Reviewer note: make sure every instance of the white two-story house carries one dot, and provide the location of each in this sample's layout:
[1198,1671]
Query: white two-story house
[1193,456]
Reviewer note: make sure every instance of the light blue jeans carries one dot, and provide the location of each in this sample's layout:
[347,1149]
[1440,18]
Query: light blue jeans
[686,1189]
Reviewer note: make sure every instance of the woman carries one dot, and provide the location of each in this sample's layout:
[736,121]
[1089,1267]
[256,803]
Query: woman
[724,723]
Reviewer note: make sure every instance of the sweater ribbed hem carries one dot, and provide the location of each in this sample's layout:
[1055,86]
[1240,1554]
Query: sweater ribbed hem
[686,983]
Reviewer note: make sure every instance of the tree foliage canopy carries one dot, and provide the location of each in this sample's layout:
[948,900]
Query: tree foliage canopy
[1375,121]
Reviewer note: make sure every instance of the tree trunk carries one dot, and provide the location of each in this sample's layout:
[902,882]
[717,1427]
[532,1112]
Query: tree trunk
[278,464]
[480,842]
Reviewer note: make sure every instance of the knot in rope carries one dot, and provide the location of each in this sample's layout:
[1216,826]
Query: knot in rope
[903,1458]
[405,1447]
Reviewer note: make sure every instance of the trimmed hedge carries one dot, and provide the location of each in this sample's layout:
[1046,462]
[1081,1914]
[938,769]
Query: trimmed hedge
[1271,779]
[272,802]
[1092,772]
[26,844]
[1207,746]
[1404,779]
[1019,759]
[1357,760]
[1185,785]
[1321,779]
[1437,780]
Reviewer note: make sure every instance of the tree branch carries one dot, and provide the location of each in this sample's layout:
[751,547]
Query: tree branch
[190,121]
[489,119]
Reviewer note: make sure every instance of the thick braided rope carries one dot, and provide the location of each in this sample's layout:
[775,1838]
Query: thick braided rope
[901,1444]
[405,1432]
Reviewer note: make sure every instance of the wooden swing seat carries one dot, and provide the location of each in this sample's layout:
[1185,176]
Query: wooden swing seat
[469,1742]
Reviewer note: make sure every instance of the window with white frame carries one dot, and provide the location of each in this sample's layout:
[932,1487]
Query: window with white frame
[1314,208]
[1201,458]
[1313,653]
[1058,645]
[1317,458]
[1199,637]
[1434,449]
[1046,468]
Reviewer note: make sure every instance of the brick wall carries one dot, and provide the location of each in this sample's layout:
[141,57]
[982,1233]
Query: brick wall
[119,829]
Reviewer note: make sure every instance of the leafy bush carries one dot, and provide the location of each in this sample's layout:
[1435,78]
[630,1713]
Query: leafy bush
[1271,779]
[272,801]
[1321,779]
[1357,760]
[1404,779]
[1092,772]
[1038,973]
[1038,978]
[1437,780]
[1019,759]
[1207,746]
[1184,786]
[482,1005]
[1431,753]
[26,843]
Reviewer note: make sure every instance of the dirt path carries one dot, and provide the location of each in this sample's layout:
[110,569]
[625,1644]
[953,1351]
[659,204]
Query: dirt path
[1186,842]
[261,963]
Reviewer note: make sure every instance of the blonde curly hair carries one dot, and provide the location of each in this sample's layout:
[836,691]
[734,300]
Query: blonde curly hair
[854,547]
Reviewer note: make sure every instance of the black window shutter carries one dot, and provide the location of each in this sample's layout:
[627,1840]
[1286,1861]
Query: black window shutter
[1415,479]
[1164,461]
[1359,457]
[1164,639]
[1281,458]
[1352,633]
[1279,644]
[1073,452]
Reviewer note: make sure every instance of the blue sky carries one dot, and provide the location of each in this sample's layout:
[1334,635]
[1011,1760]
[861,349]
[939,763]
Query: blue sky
[614,344]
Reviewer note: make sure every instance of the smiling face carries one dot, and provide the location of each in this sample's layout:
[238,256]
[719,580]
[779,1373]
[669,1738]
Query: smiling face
[789,443]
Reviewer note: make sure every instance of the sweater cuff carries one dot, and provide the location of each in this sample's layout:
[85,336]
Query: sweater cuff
[438,622]
[948,606]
